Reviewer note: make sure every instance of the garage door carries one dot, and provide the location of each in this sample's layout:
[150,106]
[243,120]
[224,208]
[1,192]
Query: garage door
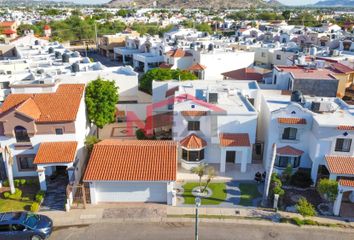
[131,192]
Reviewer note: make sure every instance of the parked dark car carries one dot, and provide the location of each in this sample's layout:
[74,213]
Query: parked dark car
[24,226]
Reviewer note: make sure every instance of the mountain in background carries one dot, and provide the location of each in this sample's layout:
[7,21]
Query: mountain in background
[194,3]
[335,3]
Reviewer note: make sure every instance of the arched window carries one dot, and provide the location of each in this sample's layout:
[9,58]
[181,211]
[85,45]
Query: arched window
[21,134]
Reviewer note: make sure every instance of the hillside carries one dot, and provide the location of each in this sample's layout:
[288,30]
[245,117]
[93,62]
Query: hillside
[191,3]
[335,3]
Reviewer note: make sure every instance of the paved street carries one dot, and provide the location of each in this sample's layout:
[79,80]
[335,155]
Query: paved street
[208,231]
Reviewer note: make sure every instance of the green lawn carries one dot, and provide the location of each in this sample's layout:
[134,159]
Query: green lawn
[218,196]
[7,205]
[249,191]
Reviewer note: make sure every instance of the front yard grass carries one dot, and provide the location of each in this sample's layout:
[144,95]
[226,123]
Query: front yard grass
[218,196]
[249,192]
[8,205]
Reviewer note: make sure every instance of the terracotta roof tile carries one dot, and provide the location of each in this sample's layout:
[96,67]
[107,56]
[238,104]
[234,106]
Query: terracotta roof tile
[196,67]
[171,91]
[161,120]
[8,31]
[345,127]
[342,68]
[192,141]
[29,108]
[194,113]
[6,24]
[289,150]
[61,106]
[244,74]
[346,182]
[234,140]
[133,160]
[292,120]
[178,53]
[340,164]
[46,27]
[165,65]
[56,152]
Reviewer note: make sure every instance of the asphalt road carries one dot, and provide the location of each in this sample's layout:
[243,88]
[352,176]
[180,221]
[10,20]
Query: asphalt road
[208,231]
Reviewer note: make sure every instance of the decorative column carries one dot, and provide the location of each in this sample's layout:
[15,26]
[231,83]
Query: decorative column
[338,202]
[223,160]
[41,178]
[93,193]
[244,158]
[314,172]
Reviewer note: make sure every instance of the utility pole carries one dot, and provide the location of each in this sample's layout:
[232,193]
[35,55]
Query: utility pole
[198,202]
[96,36]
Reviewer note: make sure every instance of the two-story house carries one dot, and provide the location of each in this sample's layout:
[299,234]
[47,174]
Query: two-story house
[43,133]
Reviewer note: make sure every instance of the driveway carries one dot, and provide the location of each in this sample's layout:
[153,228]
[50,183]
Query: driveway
[55,197]
[207,231]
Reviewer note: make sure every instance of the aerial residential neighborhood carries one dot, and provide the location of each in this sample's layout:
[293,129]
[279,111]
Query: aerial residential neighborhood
[176,120]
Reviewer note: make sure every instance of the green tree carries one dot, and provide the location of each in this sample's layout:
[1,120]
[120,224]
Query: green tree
[286,14]
[101,99]
[204,27]
[328,188]
[201,170]
[276,185]
[286,175]
[163,74]
[90,141]
[305,208]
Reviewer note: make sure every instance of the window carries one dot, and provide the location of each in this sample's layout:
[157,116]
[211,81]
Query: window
[275,80]
[284,161]
[4,85]
[17,227]
[289,133]
[59,131]
[25,162]
[213,97]
[343,144]
[4,227]
[193,125]
[170,106]
[193,155]
[263,54]
[278,57]
[21,134]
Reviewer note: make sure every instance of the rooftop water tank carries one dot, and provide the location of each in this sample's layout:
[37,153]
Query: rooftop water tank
[296,96]
[75,67]
[51,50]
[65,58]
[57,55]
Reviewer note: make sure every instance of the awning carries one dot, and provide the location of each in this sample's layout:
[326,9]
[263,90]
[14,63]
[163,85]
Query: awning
[56,152]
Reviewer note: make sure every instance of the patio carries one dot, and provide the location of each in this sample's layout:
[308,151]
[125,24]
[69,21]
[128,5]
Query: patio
[233,172]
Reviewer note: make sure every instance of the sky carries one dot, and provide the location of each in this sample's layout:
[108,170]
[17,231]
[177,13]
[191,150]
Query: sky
[287,2]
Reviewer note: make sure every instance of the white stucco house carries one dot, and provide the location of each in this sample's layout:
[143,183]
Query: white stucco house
[313,133]
[132,171]
[213,121]
[44,133]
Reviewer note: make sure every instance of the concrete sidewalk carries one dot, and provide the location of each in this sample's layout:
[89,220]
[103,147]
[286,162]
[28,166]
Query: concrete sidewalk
[118,213]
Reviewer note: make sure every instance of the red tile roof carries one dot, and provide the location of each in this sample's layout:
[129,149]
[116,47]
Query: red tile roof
[194,113]
[56,152]
[292,120]
[171,91]
[165,65]
[192,141]
[234,140]
[29,108]
[304,73]
[46,27]
[196,67]
[244,74]
[346,182]
[60,106]
[340,164]
[132,160]
[178,53]
[289,150]
[8,31]
[6,24]
[160,120]
[342,68]
[345,127]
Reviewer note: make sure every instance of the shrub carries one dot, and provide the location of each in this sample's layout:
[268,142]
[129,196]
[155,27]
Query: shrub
[276,185]
[25,199]
[6,183]
[305,208]
[310,222]
[39,196]
[140,134]
[329,188]
[23,182]
[17,195]
[6,195]
[301,179]
[297,221]
[17,182]
[286,175]
[35,207]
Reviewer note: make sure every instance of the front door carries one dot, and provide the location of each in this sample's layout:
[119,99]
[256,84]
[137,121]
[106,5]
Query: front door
[230,156]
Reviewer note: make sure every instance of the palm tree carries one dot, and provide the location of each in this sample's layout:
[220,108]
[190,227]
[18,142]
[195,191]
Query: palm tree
[200,171]
[9,162]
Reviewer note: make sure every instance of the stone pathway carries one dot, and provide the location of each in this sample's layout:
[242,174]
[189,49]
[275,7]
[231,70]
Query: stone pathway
[55,197]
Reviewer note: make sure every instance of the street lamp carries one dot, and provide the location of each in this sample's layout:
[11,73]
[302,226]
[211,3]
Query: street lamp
[198,202]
